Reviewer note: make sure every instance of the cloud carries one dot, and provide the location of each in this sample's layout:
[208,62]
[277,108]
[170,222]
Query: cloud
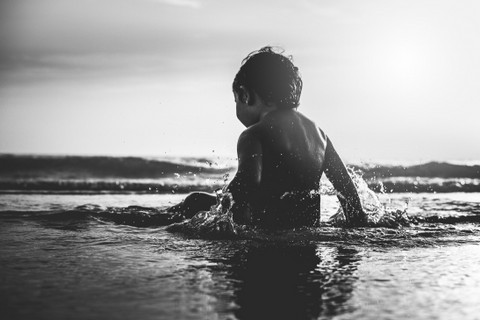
[62,36]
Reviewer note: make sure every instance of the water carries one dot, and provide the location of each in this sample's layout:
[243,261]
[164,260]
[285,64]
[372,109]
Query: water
[102,252]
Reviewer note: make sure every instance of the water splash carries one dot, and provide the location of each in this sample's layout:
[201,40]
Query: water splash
[378,214]
[218,221]
[214,223]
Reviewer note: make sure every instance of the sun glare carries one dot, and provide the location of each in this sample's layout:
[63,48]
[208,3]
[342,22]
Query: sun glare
[405,64]
[404,61]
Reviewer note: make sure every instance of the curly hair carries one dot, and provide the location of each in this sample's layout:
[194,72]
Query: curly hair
[272,75]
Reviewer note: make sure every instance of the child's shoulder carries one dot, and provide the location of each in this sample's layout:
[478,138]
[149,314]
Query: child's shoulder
[276,123]
[307,122]
[315,125]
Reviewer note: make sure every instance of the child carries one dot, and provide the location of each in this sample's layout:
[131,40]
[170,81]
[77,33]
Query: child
[281,155]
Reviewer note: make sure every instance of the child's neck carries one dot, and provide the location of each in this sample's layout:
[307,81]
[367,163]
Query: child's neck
[267,108]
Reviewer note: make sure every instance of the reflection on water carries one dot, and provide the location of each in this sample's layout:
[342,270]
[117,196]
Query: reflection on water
[290,281]
[123,272]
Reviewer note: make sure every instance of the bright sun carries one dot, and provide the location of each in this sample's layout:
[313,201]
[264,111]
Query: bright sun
[403,64]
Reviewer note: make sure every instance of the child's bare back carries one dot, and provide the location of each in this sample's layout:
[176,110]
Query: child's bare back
[293,151]
[287,157]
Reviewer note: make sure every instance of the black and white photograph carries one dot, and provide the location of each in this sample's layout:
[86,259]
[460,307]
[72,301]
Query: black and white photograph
[219,159]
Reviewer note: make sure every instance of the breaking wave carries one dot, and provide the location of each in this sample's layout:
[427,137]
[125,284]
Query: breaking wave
[79,174]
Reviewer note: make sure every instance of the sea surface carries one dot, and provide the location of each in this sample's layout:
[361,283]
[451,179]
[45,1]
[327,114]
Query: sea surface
[88,238]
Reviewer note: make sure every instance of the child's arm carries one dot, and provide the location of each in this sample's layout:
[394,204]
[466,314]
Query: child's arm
[246,182]
[338,175]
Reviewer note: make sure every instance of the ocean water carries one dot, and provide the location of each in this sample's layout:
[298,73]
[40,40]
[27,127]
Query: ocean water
[87,238]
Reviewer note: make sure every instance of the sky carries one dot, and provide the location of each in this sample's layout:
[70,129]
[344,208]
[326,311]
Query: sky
[386,80]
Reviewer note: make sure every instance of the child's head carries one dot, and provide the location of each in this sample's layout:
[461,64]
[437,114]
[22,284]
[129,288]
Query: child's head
[272,76]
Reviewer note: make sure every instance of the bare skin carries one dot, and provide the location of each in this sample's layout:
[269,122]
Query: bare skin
[282,152]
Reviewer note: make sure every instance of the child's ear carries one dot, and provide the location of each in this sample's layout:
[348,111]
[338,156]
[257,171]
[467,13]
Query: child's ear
[245,95]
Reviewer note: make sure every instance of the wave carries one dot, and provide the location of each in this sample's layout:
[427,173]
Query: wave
[84,167]
[426,170]
[79,167]
[431,230]
[421,185]
[140,216]
[410,185]
[107,187]
[86,175]
[136,216]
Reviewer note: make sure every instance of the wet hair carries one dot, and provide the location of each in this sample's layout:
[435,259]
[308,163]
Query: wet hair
[272,75]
